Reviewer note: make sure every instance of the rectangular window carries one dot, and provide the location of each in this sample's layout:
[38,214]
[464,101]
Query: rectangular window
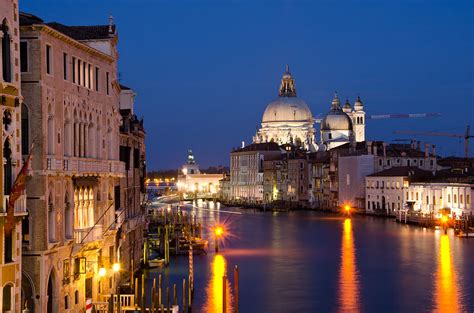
[348,179]
[49,60]
[89,73]
[74,70]
[136,158]
[107,82]
[65,66]
[84,74]
[111,255]
[79,74]
[24,56]
[96,79]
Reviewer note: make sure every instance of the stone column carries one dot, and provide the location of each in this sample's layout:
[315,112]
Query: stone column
[1,57]
[86,138]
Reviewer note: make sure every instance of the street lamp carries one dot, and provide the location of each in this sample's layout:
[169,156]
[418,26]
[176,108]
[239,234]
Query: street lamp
[218,232]
[347,209]
[102,272]
[444,220]
[116,267]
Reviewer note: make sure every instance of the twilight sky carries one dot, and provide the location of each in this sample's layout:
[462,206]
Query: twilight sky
[205,70]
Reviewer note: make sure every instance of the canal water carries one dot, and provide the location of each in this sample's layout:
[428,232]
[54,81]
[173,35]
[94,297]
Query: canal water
[313,262]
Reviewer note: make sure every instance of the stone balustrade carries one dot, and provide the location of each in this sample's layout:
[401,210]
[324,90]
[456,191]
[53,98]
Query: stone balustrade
[85,166]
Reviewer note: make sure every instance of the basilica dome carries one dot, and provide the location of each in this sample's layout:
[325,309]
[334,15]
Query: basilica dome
[336,119]
[287,109]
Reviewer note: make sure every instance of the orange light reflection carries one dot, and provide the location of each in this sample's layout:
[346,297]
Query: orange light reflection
[348,279]
[446,294]
[215,288]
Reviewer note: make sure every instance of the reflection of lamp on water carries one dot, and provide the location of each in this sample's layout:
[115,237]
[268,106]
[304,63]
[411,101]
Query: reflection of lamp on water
[215,289]
[446,294]
[348,281]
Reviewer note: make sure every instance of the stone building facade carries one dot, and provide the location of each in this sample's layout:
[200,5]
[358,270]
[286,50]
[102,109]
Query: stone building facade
[10,106]
[246,171]
[132,185]
[71,112]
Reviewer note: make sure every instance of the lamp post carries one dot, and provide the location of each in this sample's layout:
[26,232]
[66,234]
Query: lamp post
[218,232]
[444,220]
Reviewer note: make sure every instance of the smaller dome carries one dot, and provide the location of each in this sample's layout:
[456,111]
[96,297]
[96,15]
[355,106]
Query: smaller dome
[358,105]
[336,119]
[347,107]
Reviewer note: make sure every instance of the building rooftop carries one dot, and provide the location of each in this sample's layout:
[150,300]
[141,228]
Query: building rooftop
[402,171]
[266,146]
[92,32]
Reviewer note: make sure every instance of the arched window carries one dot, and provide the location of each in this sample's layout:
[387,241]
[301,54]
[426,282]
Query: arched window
[51,137]
[51,220]
[25,130]
[67,216]
[6,53]
[7,167]
[7,302]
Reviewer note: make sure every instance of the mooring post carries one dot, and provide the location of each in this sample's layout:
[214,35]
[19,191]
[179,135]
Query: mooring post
[153,296]
[142,300]
[175,295]
[167,299]
[184,295]
[236,289]
[224,294]
[136,291]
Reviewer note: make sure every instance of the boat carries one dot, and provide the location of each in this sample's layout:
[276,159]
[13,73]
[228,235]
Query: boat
[156,263]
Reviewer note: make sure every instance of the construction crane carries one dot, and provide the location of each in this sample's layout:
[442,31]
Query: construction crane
[465,136]
[390,116]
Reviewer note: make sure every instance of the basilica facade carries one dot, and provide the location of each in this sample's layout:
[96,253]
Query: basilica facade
[288,120]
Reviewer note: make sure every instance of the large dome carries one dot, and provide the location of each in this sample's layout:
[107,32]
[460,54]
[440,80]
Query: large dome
[287,109]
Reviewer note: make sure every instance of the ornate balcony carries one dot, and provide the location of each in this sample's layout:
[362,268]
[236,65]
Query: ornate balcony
[20,206]
[85,166]
[90,234]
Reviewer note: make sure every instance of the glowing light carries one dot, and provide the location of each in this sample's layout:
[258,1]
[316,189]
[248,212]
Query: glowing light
[102,272]
[116,267]
[444,219]
[446,285]
[218,231]
[347,208]
[348,279]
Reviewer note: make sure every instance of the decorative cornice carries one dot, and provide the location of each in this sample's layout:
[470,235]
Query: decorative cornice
[56,34]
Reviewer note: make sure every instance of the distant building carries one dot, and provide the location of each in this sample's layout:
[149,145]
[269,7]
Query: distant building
[373,157]
[193,183]
[386,192]
[224,189]
[246,171]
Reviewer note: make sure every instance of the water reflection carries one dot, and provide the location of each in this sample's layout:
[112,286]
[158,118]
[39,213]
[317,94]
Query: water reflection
[214,290]
[446,290]
[348,279]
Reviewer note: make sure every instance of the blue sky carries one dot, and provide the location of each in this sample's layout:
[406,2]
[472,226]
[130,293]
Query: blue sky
[205,70]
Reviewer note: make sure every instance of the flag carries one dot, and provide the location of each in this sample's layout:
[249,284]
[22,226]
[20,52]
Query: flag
[15,193]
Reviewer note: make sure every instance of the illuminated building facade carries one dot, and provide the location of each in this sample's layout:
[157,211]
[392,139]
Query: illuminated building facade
[193,183]
[10,104]
[132,185]
[71,98]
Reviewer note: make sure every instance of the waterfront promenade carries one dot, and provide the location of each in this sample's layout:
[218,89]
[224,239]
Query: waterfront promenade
[312,262]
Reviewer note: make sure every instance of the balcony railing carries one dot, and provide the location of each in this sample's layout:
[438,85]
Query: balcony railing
[74,165]
[20,205]
[90,234]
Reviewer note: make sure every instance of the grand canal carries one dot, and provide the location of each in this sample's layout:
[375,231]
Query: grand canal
[312,262]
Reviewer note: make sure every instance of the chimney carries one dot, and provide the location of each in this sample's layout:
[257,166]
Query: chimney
[384,149]
[427,150]
[369,147]
[418,143]
[412,143]
[434,150]
[375,149]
